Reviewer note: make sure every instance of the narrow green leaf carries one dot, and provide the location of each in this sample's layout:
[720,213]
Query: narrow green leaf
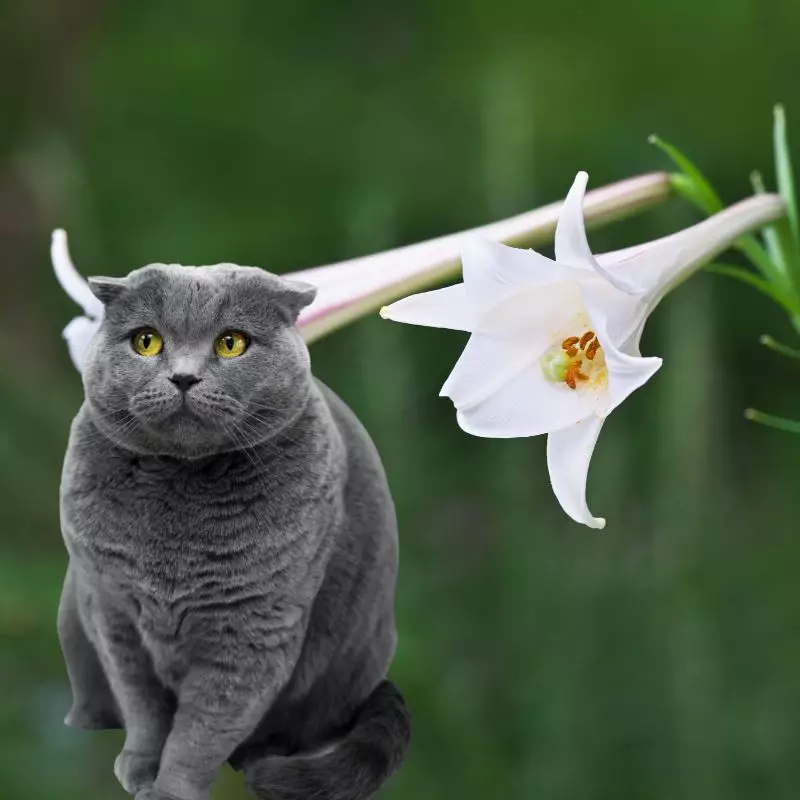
[703,193]
[760,259]
[687,187]
[785,177]
[783,349]
[771,236]
[757,181]
[790,425]
[750,278]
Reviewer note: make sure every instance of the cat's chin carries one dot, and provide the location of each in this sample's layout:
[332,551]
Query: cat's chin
[185,434]
[173,447]
[182,434]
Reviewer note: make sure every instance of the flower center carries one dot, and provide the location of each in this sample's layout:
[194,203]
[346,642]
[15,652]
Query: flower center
[578,360]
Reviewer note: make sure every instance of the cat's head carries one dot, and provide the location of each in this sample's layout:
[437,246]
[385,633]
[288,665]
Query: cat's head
[191,361]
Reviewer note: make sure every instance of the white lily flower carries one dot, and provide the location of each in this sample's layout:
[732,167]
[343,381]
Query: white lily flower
[555,344]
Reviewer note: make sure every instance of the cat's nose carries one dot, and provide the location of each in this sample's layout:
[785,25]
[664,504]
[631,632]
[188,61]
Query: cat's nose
[184,380]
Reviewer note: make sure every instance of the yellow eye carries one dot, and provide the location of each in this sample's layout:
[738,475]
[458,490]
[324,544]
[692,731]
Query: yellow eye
[230,344]
[147,342]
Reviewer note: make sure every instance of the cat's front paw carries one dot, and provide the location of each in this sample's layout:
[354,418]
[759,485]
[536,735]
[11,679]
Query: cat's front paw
[136,771]
[92,719]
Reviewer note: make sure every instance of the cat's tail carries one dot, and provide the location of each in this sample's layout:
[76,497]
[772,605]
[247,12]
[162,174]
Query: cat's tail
[354,768]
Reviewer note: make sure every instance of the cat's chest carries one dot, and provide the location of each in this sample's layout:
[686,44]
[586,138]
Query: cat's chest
[165,530]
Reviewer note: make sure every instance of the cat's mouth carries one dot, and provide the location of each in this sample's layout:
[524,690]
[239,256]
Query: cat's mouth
[186,420]
[187,413]
[179,416]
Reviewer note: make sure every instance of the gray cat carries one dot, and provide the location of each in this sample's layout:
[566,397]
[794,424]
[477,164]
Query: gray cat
[233,548]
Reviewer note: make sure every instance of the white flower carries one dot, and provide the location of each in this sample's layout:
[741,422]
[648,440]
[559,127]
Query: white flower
[80,330]
[555,344]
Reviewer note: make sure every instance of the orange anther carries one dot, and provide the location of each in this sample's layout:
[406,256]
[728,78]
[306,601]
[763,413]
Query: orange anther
[570,342]
[572,351]
[591,350]
[586,338]
[573,374]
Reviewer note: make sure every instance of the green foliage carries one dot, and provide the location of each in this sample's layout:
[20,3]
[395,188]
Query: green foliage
[777,259]
[752,279]
[690,182]
[788,425]
[790,250]
[768,341]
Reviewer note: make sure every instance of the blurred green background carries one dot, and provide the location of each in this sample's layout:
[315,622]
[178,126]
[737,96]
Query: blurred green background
[659,659]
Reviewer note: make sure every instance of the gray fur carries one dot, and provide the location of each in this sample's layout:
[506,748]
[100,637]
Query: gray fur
[233,551]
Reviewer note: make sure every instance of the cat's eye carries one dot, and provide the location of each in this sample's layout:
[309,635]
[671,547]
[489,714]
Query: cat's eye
[147,342]
[230,344]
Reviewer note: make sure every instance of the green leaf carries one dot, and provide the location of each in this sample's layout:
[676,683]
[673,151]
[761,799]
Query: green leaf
[783,349]
[750,278]
[757,181]
[771,235]
[701,192]
[688,188]
[785,178]
[760,259]
[781,423]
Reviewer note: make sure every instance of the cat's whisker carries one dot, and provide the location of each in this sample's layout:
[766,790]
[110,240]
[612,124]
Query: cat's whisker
[248,451]
[269,407]
[279,454]
[254,417]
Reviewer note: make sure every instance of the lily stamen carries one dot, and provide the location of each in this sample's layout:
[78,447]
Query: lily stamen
[574,374]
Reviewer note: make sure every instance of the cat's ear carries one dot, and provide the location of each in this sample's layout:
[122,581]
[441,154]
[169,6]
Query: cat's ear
[294,296]
[106,290]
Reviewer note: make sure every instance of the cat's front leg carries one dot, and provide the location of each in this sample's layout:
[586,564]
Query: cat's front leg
[219,706]
[142,699]
[93,704]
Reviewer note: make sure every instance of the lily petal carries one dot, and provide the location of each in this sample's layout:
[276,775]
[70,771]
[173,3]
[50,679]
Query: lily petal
[506,292]
[511,336]
[493,272]
[526,405]
[485,366]
[442,308]
[78,335]
[569,452]
[70,279]
[627,372]
[571,244]
[624,316]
